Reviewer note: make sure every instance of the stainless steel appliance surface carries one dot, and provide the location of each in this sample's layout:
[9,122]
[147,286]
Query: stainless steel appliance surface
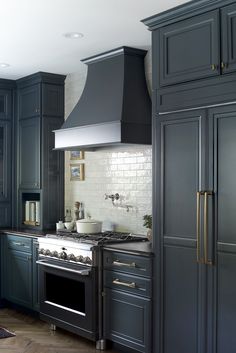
[70,280]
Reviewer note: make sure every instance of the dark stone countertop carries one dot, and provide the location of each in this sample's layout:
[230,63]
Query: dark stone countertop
[143,248]
[27,232]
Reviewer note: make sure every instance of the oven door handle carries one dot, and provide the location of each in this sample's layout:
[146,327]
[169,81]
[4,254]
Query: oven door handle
[79,272]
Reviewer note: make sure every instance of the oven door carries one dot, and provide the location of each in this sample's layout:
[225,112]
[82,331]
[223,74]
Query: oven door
[68,296]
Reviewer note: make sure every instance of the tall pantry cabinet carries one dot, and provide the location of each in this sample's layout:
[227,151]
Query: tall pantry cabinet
[40,168]
[194,207]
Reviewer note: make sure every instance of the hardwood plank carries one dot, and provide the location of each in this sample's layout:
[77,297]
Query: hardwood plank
[34,336]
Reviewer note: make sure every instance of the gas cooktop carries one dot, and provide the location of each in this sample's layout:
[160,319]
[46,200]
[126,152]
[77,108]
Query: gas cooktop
[97,238]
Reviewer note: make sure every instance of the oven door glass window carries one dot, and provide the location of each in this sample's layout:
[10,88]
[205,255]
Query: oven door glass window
[65,293]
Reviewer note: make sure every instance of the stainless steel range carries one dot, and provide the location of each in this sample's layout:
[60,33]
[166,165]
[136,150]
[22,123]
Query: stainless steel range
[70,280]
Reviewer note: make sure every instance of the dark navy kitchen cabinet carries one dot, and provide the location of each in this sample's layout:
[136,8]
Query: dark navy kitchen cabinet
[19,270]
[195,231]
[193,55]
[6,131]
[189,49]
[182,172]
[29,101]
[35,275]
[228,40]
[40,168]
[194,197]
[29,153]
[6,100]
[222,140]
[127,300]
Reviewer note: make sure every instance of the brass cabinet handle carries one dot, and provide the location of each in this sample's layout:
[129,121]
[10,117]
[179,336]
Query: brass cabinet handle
[213,67]
[199,259]
[223,65]
[125,284]
[198,227]
[118,263]
[206,260]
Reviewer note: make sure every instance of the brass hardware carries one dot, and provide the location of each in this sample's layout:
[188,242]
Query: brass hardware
[206,261]
[199,260]
[18,244]
[213,67]
[223,65]
[129,285]
[198,227]
[118,263]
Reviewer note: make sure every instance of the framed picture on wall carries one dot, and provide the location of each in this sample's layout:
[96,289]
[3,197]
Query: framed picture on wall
[76,155]
[77,171]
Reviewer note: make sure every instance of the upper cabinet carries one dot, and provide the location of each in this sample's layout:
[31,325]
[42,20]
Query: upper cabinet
[29,101]
[189,49]
[228,38]
[194,55]
[6,104]
[29,153]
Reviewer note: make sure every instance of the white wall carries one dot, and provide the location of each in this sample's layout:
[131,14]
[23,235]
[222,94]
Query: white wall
[124,170]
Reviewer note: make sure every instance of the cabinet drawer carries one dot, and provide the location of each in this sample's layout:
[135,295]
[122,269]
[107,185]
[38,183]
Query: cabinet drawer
[128,320]
[127,263]
[19,243]
[128,283]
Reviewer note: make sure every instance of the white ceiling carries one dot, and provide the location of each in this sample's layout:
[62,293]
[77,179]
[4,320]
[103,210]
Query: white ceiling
[31,31]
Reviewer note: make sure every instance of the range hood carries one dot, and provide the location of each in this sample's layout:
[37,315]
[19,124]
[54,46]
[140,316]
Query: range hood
[114,108]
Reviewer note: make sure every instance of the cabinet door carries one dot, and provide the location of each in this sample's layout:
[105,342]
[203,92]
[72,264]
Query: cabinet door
[189,48]
[128,320]
[35,276]
[180,172]
[29,154]
[228,38]
[52,175]
[5,161]
[29,101]
[19,277]
[5,104]
[223,179]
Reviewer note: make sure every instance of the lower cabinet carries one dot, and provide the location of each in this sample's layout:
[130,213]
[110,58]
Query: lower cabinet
[19,272]
[127,300]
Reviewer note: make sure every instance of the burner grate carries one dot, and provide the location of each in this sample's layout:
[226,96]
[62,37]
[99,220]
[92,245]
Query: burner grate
[100,238]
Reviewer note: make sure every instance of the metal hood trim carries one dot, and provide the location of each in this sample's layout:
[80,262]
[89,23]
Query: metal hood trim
[88,136]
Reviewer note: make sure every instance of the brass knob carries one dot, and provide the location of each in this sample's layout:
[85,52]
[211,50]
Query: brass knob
[214,67]
[223,65]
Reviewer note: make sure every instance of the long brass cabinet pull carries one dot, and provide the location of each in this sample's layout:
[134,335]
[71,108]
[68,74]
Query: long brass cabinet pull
[198,227]
[129,285]
[206,260]
[118,263]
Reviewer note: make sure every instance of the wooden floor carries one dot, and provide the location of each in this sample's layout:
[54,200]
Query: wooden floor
[34,336]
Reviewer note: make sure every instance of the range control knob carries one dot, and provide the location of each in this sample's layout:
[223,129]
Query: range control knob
[80,258]
[88,260]
[71,257]
[41,251]
[47,253]
[55,254]
[63,255]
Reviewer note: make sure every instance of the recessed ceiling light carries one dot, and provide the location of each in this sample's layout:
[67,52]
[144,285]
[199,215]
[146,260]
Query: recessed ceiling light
[73,35]
[4,65]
